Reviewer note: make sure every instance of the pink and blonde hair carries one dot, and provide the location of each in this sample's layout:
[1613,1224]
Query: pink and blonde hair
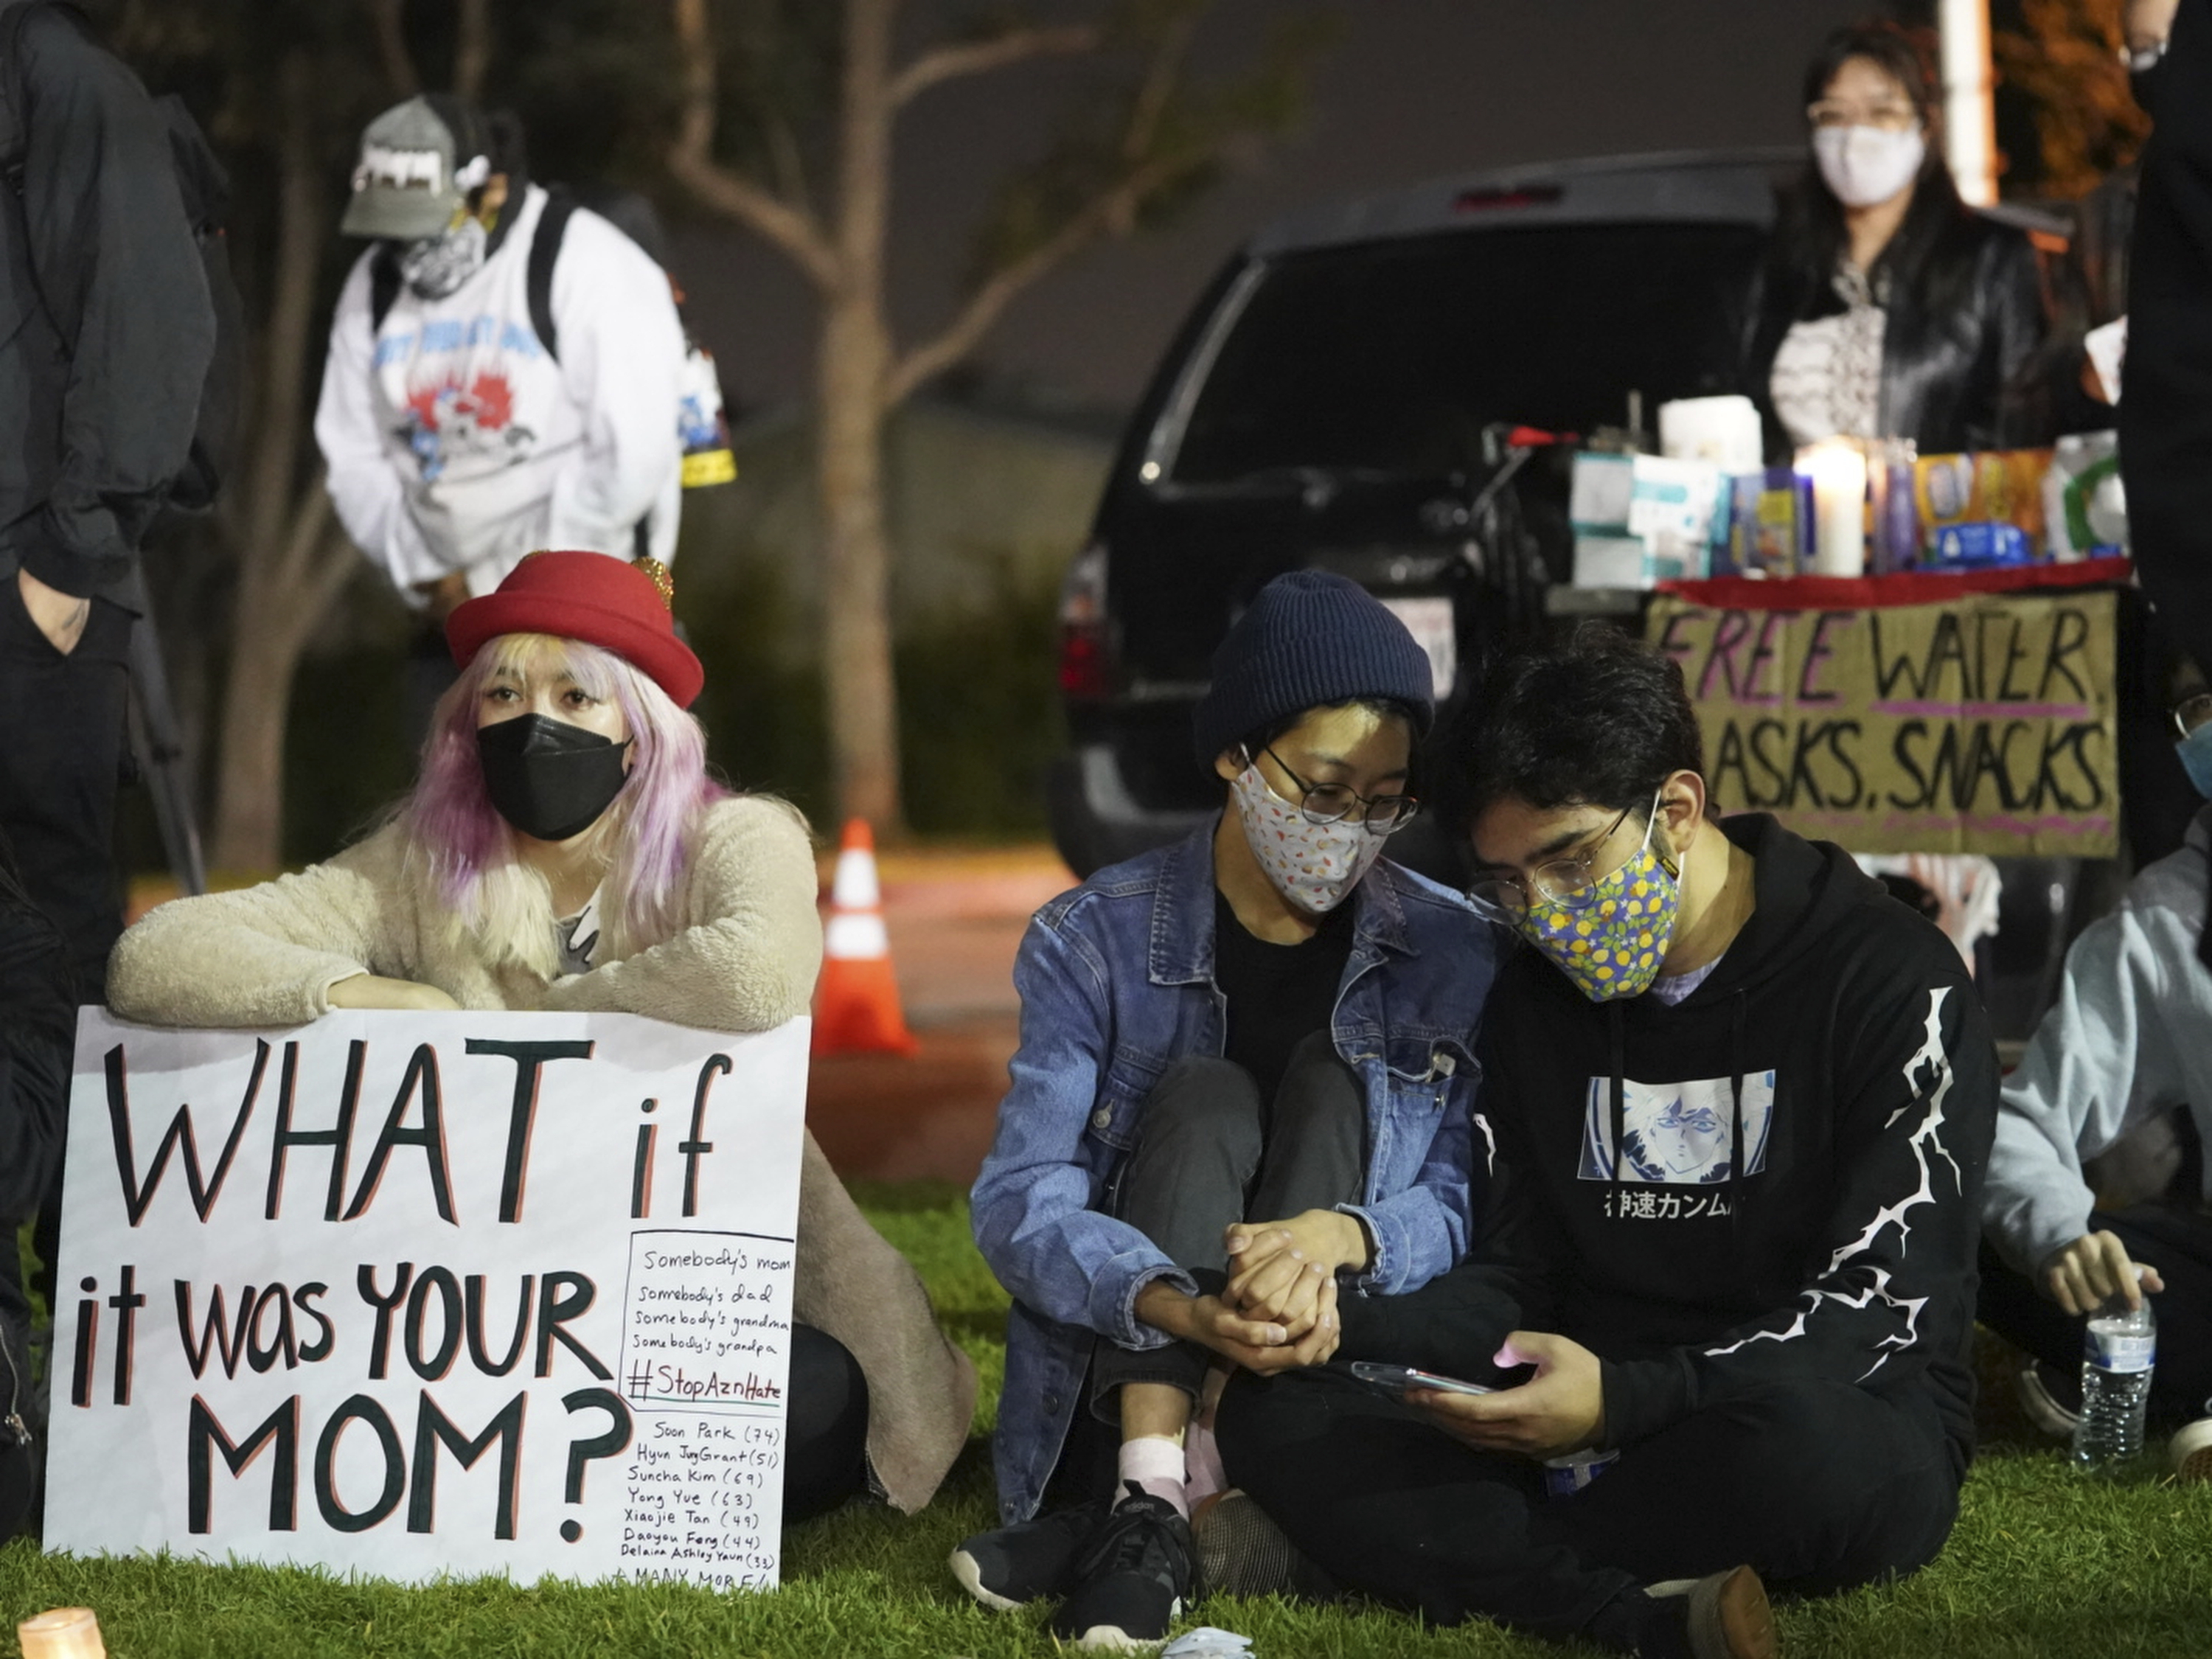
[459,842]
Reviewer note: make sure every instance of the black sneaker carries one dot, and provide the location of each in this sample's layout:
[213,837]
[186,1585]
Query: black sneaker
[1014,1564]
[1131,1580]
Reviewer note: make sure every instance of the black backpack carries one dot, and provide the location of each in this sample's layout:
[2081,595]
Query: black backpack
[204,188]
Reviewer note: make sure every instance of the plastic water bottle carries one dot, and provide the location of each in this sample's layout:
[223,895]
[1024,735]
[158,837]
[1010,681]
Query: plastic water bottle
[2119,1351]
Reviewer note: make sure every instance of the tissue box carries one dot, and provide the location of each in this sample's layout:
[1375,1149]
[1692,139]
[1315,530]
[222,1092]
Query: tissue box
[1602,561]
[1670,508]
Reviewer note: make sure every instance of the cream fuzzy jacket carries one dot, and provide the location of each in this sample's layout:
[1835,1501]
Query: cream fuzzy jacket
[744,959]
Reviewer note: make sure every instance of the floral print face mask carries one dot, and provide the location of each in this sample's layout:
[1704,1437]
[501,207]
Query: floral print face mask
[1315,866]
[1613,947]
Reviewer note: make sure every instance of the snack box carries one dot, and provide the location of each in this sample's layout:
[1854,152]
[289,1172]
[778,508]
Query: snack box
[1979,546]
[1770,525]
[2000,486]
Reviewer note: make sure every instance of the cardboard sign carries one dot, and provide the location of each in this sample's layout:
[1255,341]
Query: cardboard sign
[1987,724]
[414,1294]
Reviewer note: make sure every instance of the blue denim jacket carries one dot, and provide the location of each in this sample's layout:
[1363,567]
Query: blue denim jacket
[1116,982]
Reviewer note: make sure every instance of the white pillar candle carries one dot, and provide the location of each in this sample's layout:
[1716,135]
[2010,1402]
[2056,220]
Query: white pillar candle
[1837,468]
[61,1633]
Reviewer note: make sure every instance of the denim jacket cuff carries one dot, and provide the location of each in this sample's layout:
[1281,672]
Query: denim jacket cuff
[1384,1252]
[1114,1297]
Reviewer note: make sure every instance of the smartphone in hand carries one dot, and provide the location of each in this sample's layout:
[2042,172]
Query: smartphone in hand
[1397,1380]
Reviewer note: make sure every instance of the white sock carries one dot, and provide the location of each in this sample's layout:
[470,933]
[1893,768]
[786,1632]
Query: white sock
[1204,1476]
[1155,1463]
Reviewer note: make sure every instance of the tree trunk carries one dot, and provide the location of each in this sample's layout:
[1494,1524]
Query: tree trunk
[862,697]
[265,647]
[274,523]
[852,374]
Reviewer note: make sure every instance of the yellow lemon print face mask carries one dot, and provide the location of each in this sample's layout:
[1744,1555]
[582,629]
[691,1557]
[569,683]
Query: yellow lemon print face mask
[1611,940]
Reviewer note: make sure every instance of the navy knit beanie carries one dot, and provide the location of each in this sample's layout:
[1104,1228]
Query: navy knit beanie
[1311,639]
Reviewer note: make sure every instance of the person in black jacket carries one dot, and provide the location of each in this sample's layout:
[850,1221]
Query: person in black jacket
[1742,1101]
[38,1015]
[1885,308]
[2165,416]
[106,335]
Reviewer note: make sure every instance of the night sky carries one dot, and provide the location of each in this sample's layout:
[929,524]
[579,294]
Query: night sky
[1412,89]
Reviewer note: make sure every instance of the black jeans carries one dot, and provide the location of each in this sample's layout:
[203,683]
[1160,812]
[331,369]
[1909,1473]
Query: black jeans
[62,736]
[826,1429]
[1817,1484]
[1212,1153]
[2179,1245]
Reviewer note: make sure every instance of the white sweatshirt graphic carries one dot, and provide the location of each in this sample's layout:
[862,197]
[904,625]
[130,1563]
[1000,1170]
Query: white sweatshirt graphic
[456,442]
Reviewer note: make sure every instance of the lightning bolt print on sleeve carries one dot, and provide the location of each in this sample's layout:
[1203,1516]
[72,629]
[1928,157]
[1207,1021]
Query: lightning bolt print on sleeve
[1892,1290]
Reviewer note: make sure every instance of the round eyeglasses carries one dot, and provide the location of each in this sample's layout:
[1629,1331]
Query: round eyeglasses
[1571,882]
[1831,113]
[1332,803]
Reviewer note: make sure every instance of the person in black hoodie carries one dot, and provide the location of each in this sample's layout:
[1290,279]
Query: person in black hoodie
[1775,1343]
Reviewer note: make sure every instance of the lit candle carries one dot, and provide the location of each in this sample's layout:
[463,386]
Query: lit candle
[1837,468]
[61,1633]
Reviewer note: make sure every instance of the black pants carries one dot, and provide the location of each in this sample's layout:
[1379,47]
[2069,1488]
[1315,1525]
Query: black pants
[2175,1241]
[1212,1153]
[1818,1485]
[826,1428]
[62,737]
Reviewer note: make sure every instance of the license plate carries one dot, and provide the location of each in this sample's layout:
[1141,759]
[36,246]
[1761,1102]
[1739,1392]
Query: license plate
[1431,622]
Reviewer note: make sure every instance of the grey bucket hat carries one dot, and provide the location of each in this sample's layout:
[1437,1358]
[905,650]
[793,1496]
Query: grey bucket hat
[411,178]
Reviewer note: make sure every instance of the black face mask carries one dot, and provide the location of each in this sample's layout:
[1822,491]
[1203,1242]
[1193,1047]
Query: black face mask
[548,779]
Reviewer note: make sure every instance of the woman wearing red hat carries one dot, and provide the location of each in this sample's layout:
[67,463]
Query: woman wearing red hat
[565,848]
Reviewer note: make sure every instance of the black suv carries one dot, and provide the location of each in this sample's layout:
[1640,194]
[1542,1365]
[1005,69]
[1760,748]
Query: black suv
[1345,397]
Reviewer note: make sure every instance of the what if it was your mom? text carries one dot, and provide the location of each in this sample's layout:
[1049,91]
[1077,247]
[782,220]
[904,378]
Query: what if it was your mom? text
[416,1295]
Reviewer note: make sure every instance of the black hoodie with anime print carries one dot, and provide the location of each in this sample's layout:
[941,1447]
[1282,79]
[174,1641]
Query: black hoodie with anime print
[1840,1042]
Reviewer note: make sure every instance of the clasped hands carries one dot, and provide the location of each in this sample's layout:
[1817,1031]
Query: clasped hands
[1277,1311]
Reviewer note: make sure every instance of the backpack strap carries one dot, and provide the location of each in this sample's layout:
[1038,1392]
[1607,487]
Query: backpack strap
[383,286]
[545,249]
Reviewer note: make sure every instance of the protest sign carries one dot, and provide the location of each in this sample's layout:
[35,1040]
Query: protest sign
[413,1294]
[1985,725]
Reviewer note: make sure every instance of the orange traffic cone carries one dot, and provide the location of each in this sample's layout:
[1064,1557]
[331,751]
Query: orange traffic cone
[856,1006]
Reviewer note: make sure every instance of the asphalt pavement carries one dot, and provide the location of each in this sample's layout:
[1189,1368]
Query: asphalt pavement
[955,920]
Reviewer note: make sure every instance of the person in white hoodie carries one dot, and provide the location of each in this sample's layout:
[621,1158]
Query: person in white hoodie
[2129,1040]
[465,420]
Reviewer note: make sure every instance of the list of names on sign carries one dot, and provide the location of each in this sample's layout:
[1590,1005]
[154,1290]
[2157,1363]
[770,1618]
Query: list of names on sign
[706,1341]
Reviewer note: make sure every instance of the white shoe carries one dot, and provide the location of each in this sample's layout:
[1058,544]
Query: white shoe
[2031,1385]
[2190,1451]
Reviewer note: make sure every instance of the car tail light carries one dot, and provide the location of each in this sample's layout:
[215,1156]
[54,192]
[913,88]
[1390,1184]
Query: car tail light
[1086,649]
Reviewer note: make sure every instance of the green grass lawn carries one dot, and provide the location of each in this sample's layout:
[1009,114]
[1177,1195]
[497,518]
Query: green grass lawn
[2044,1563]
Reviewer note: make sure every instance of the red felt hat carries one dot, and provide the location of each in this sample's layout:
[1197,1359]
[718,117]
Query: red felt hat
[592,597]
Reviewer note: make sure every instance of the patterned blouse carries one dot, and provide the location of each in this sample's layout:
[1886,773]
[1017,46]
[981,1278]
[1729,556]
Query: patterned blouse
[1827,374]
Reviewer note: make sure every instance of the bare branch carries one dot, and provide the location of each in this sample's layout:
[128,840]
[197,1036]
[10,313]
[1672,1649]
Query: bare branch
[1112,211]
[472,48]
[391,46]
[1157,90]
[791,228]
[996,52]
[1107,212]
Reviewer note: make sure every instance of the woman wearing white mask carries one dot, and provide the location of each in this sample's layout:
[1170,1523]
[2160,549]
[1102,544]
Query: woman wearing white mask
[1885,307]
[1244,1073]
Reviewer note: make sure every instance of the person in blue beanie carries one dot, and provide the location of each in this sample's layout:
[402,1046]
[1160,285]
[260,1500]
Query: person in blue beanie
[1245,1087]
